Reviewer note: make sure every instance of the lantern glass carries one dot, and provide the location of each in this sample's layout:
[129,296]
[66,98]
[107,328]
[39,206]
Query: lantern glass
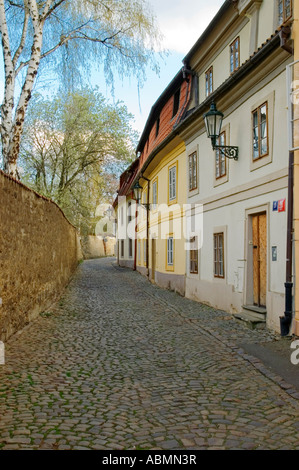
[137,191]
[213,122]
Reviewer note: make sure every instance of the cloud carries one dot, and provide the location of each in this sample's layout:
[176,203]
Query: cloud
[182,22]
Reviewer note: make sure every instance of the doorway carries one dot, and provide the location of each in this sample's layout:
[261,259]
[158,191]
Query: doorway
[259,259]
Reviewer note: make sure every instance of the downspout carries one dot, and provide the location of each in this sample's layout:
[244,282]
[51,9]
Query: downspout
[147,223]
[136,226]
[285,322]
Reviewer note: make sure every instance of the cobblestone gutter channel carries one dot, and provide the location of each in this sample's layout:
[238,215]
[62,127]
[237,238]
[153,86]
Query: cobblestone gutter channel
[121,364]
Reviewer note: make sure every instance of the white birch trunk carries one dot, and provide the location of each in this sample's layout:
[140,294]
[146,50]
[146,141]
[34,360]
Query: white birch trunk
[12,126]
[8,101]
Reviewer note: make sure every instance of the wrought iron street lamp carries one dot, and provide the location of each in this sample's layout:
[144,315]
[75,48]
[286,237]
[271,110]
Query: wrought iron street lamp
[213,122]
[137,195]
[137,191]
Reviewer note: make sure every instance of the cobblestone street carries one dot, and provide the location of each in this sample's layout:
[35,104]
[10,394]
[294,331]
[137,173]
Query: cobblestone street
[121,364]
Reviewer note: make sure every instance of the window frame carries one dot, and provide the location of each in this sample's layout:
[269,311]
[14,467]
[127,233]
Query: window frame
[209,81]
[191,174]
[282,19]
[216,256]
[172,184]
[170,262]
[176,102]
[232,55]
[221,157]
[193,257]
[259,123]
[155,193]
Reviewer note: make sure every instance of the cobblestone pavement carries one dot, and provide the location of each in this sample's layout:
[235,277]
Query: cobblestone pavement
[120,364]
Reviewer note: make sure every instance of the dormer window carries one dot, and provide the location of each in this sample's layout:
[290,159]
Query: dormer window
[284,11]
[157,126]
[176,102]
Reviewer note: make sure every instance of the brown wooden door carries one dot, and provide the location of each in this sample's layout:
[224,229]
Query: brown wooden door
[259,238]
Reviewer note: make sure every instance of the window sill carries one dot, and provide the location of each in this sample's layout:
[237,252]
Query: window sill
[260,162]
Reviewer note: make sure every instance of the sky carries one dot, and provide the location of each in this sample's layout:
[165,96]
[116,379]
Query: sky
[181,22]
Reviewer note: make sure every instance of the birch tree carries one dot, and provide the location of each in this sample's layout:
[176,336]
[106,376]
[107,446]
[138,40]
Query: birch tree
[68,36]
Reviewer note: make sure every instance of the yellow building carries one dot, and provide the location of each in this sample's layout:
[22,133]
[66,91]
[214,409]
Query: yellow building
[162,176]
[165,244]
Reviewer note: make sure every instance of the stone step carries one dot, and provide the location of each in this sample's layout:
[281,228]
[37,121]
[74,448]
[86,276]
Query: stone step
[254,309]
[251,319]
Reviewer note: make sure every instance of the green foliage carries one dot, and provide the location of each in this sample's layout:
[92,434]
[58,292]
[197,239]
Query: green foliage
[73,150]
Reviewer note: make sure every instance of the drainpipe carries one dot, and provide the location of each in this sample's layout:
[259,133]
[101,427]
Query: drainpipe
[136,226]
[147,223]
[285,322]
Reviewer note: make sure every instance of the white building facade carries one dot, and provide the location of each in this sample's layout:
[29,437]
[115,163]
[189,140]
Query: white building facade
[239,63]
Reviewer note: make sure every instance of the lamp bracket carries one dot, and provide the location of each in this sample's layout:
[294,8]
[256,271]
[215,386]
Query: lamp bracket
[228,151]
[145,204]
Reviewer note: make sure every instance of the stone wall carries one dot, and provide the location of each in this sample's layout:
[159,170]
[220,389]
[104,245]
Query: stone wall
[39,251]
[95,247]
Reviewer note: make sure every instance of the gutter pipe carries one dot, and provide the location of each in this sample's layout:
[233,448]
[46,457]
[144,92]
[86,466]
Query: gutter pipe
[285,322]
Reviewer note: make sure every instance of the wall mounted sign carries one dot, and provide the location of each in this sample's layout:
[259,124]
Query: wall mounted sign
[275,206]
[274,253]
[282,205]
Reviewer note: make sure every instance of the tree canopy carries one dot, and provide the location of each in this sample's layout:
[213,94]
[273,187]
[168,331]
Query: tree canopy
[66,37]
[73,149]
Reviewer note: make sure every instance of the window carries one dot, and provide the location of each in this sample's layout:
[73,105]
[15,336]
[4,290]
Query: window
[130,248]
[172,183]
[122,248]
[234,55]
[155,195]
[284,10]
[170,251]
[176,102]
[220,157]
[122,216]
[157,126]
[260,132]
[194,256]
[209,81]
[193,171]
[219,255]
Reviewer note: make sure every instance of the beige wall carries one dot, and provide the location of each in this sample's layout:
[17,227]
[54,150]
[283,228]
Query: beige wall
[94,247]
[39,251]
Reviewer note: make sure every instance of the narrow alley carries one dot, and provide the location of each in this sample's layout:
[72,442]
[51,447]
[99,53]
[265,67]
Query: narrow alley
[119,363]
